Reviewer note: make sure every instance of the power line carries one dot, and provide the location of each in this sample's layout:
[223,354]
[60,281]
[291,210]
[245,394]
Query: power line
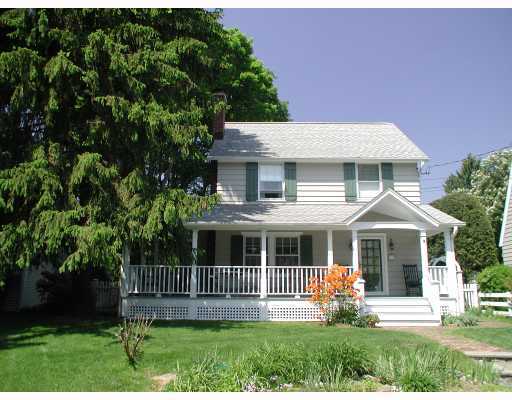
[476,155]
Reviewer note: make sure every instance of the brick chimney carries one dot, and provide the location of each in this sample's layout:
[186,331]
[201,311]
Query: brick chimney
[220,118]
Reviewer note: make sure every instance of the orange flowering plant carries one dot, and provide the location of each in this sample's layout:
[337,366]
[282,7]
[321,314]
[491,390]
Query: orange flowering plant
[336,295]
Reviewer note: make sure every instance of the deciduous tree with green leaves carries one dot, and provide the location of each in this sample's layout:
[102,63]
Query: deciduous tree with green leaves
[104,129]
[474,243]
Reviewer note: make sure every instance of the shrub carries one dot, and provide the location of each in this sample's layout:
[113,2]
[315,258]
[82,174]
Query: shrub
[463,320]
[335,294]
[475,246]
[345,312]
[367,321]
[131,336]
[495,279]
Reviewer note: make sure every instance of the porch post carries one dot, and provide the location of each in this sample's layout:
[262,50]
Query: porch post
[451,278]
[330,253]
[425,282]
[355,251]
[125,280]
[355,264]
[263,282]
[193,271]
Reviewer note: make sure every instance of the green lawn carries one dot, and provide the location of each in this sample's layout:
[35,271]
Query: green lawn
[499,337]
[62,354]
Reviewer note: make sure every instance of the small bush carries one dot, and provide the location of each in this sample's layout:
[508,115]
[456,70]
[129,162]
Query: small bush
[367,321]
[463,320]
[346,312]
[495,279]
[131,336]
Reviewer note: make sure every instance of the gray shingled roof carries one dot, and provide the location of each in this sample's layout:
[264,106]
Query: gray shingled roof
[441,216]
[302,140]
[295,214]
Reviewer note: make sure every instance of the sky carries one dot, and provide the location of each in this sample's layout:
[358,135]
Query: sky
[444,77]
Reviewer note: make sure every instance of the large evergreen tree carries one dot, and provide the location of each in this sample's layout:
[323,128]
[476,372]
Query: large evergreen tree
[104,119]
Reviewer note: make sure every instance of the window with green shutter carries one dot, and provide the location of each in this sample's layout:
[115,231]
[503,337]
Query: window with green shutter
[387,176]
[306,250]
[349,174]
[251,181]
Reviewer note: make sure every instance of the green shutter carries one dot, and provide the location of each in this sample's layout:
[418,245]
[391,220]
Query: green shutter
[251,181]
[349,173]
[387,176]
[237,250]
[290,181]
[306,250]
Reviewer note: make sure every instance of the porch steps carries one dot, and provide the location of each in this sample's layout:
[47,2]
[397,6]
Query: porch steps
[402,311]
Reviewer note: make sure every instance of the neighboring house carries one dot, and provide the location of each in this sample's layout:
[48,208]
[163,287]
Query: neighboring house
[20,291]
[297,198]
[506,225]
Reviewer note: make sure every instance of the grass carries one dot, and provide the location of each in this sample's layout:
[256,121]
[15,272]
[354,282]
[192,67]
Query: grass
[39,353]
[499,337]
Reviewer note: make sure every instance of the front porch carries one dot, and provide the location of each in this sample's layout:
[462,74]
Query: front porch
[254,262]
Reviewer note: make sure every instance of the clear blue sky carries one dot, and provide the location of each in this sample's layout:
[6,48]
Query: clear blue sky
[443,76]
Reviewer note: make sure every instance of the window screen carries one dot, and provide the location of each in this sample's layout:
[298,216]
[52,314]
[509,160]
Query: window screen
[271,181]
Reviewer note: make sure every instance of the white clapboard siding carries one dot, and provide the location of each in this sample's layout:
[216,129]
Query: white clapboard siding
[231,181]
[322,182]
[407,181]
[316,182]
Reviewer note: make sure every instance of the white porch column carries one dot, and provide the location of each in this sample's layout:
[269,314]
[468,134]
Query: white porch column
[124,280]
[451,278]
[355,251]
[330,253]
[424,262]
[193,271]
[263,282]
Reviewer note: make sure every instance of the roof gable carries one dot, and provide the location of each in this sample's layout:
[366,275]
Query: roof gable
[396,206]
[321,141]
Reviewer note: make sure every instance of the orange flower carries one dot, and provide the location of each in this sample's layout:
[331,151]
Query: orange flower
[337,283]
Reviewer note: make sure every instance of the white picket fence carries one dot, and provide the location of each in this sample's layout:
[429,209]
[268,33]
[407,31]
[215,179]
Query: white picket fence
[475,299]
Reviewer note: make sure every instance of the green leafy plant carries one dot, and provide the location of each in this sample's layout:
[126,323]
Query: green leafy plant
[131,335]
[495,279]
[429,369]
[463,320]
[276,367]
[367,321]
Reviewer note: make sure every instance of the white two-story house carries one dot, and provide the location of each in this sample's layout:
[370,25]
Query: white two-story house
[297,198]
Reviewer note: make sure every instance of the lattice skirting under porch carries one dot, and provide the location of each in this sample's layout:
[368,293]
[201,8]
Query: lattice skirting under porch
[228,310]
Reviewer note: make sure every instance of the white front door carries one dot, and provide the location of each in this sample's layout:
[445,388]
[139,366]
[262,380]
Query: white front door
[373,262]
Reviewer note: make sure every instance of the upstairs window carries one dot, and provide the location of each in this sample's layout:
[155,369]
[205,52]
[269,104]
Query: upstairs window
[271,181]
[368,176]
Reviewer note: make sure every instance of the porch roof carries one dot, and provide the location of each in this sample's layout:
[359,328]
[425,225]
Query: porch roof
[295,214]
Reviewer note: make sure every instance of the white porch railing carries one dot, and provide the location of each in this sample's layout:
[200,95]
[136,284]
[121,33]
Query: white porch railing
[236,280]
[292,280]
[439,273]
[159,279]
[222,280]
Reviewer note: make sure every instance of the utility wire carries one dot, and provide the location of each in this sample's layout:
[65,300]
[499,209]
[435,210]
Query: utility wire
[476,155]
